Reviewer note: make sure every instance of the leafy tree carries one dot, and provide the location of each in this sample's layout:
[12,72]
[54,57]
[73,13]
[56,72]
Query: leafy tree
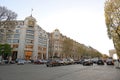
[94,53]
[81,50]
[112,18]
[67,47]
[1,49]
[5,50]
[105,56]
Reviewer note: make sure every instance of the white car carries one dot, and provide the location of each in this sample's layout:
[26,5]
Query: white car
[21,62]
[109,62]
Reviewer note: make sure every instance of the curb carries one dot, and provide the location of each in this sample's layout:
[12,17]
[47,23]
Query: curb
[117,67]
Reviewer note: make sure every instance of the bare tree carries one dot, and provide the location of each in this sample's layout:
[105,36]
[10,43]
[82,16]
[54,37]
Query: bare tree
[7,22]
[7,15]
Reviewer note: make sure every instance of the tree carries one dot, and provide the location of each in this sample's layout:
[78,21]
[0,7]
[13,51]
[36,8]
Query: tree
[67,47]
[7,22]
[1,49]
[105,56]
[112,18]
[5,50]
[7,15]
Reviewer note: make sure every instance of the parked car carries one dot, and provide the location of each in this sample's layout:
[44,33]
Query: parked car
[21,62]
[12,62]
[44,61]
[5,61]
[27,61]
[77,61]
[95,60]
[61,62]
[109,61]
[81,61]
[17,60]
[70,61]
[66,62]
[87,62]
[40,61]
[52,62]
[100,62]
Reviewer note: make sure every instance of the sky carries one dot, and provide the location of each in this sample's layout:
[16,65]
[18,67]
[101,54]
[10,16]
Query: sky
[81,20]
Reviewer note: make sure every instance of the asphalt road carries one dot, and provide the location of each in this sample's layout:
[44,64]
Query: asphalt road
[70,72]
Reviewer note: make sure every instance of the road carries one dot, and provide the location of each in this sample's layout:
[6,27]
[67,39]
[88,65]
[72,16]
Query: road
[69,72]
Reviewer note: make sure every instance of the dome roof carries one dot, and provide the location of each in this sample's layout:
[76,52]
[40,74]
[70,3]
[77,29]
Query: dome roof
[56,30]
[30,18]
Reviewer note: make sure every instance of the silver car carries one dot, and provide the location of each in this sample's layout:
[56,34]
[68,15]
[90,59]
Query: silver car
[21,62]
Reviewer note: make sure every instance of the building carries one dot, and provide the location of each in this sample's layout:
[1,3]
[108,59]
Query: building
[59,48]
[64,47]
[29,40]
[113,54]
[55,43]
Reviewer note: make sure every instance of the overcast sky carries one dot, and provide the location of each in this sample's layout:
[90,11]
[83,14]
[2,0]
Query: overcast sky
[81,20]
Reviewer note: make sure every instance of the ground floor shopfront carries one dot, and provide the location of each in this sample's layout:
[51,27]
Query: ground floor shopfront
[28,55]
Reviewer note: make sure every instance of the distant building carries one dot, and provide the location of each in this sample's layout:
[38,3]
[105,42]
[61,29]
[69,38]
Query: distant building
[29,40]
[57,45]
[112,52]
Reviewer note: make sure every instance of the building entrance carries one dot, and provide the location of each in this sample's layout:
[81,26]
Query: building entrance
[28,55]
[14,55]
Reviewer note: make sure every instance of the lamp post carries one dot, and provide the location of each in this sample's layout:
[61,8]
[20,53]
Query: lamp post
[42,53]
[47,48]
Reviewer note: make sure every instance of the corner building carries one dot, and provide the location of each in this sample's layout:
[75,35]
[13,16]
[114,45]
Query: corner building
[29,40]
[56,45]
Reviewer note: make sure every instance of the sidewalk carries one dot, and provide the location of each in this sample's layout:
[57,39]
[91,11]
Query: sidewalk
[117,65]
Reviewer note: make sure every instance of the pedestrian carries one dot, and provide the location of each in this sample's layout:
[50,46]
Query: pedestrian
[10,58]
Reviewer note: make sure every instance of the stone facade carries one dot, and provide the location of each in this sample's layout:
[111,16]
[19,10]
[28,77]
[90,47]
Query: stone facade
[29,40]
[56,46]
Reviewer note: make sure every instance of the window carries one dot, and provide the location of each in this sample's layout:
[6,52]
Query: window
[29,41]
[30,27]
[17,31]
[56,35]
[18,26]
[1,30]
[16,36]
[30,36]
[15,41]
[30,31]
[9,40]
[9,36]
[29,46]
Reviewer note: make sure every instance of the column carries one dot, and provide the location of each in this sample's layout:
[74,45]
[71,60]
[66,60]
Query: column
[47,48]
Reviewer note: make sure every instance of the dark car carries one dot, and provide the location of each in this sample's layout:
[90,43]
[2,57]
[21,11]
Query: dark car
[79,61]
[100,62]
[87,62]
[40,61]
[51,63]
